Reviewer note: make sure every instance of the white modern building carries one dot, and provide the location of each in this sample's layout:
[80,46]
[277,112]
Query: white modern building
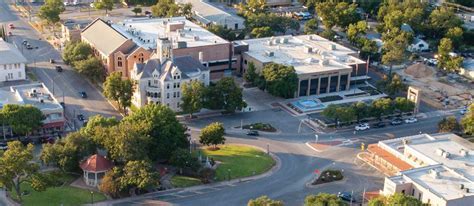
[208,14]
[440,172]
[12,63]
[322,66]
[159,79]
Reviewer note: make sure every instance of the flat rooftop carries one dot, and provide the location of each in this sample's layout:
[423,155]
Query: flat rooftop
[145,32]
[439,179]
[208,13]
[35,94]
[306,53]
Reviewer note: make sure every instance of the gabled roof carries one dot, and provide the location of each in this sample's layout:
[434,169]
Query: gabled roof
[407,28]
[9,54]
[103,37]
[96,163]
[186,64]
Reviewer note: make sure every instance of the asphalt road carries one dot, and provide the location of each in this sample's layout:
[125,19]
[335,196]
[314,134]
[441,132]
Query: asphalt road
[67,84]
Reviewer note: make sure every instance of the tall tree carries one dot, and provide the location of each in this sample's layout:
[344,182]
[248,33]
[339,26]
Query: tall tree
[110,183]
[107,5]
[50,11]
[323,199]
[167,134]
[449,124]
[355,30]
[98,121]
[23,119]
[395,44]
[442,19]
[119,90]
[251,74]
[468,120]
[360,110]
[168,8]
[381,107]
[137,10]
[455,34]
[76,51]
[264,201]
[252,7]
[311,26]
[91,68]
[139,175]
[328,15]
[447,61]
[193,94]
[17,166]
[212,134]
[225,94]
[402,104]
[222,32]
[128,142]
[261,32]
[182,159]
[395,199]
[280,80]
[332,112]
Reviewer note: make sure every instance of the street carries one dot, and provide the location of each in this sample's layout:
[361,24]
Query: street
[65,85]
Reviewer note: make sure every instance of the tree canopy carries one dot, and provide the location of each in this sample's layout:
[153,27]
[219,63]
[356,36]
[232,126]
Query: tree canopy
[91,68]
[168,8]
[449,124]
[212,134]
[468,120]
[76,51]
[107,5]
[193,94]
[264,201]
[119,90]
[23,119]
[395,199]
[323,199]
[280,80]
[225,94]
[50,11]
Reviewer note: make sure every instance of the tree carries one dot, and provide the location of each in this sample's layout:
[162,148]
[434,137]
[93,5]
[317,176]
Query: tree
[252,7]
[468,120]
[50,154]
[222,32]
[91,68]
[264,201]
[137,10]
[212,134]
[331,112]
[73,149]
[98,121]
[251,73]
[139,175]
[323,199]
[402,104]
[368,48]
[449,124]
[277,24]
[193,94]
[455,34]
[311,26]
[447,61]
[23,119]
[225,94]
[17,166]
[442,19]
[261,32]
[168,8]
[110,183]
[127,142]
[360,110]
[391,85]
[76,51]
[395,43]
[328,34]
[107,5]
[182,158]
[280,80]
[393,20]
[326,11]
[165,131]
[119,90]
[381,107]
[395,199]
[50,11]
[346,14]
[355,30]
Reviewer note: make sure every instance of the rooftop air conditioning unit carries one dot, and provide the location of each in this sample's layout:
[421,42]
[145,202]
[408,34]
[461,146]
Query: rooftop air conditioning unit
[434,174]
[284,40]
[41,100]
[463,152]
[196,38]
[269,53]
[461,186]
[269,43]
[446,155]
[439,151]
[308,49]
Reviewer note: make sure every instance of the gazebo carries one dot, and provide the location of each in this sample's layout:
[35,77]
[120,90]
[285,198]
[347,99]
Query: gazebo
[94,169]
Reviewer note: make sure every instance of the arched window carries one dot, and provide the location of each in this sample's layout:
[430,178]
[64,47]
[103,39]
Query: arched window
[140,58]
[119,61]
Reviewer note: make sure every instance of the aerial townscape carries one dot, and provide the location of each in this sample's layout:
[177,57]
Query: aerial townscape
[239,102]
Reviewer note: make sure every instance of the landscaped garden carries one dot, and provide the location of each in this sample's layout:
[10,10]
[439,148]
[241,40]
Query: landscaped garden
[238,161]
[328,176]
[60,194]
[265,127]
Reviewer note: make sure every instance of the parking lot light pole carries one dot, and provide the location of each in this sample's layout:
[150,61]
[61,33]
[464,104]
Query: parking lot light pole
[316,138]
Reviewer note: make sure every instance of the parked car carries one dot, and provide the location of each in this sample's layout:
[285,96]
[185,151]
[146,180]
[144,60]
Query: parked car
[345,196]
[3,146]
[463,111]
[59,68]
[25,42]
[80,117]
[83,94]
[252,133]
[52,61]
[29,47]
[411,120]
[379,125]
[10,33]
[362,127]
[396,122]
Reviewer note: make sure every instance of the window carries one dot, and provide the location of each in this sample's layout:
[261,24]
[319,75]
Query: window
[119,61]
[174,85]
[167,86]
[236,26]
[174,94]
[140,58]
[177,94]
[19,74]
[167,95]
[413,192]
[177,85]
[149,82]
[10,76]
[177,104]
[245,62]
[419,196]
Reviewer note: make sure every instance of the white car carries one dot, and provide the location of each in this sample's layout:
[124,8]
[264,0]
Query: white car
[362,127]
[411,120]
[463,111]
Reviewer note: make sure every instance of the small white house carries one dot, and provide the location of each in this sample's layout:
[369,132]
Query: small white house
[12,63]
[418,45]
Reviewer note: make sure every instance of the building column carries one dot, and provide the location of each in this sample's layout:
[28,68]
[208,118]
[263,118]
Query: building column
[309,87]
[298,90]
[95,182]
[348,86]
[338,82]
[319,85]
[328,88]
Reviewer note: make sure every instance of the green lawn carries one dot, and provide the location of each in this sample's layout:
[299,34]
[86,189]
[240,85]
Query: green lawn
[242,161]
[65,195]
[183,181]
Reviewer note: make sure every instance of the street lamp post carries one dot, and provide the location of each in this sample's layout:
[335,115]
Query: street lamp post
[92,197]
[316,138]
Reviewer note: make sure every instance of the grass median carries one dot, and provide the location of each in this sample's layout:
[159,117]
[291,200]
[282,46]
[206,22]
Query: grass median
[239,161]
[183,181]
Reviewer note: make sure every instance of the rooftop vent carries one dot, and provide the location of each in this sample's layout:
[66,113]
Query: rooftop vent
[196,38]
[41,100]
[310,37]
[439,151]
[466,189]
[324,62]
[308,49]
[405,141]
[269,53]
[446,155]
[269,43]
[434,174]
[463,152]
[461,186]
[284,40]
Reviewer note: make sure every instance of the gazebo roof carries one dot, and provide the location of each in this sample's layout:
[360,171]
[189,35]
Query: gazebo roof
[96,163]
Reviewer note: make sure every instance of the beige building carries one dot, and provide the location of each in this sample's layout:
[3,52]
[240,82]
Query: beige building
[71,30]
[186,38]
[440,170]
[322,66]
[206,13]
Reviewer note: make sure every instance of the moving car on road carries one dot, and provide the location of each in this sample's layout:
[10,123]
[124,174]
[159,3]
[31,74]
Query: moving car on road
[411,120]
[59,68]
[362,127]
[80,117]
[252,133]
[83,94]
[345,196]
[396,122]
